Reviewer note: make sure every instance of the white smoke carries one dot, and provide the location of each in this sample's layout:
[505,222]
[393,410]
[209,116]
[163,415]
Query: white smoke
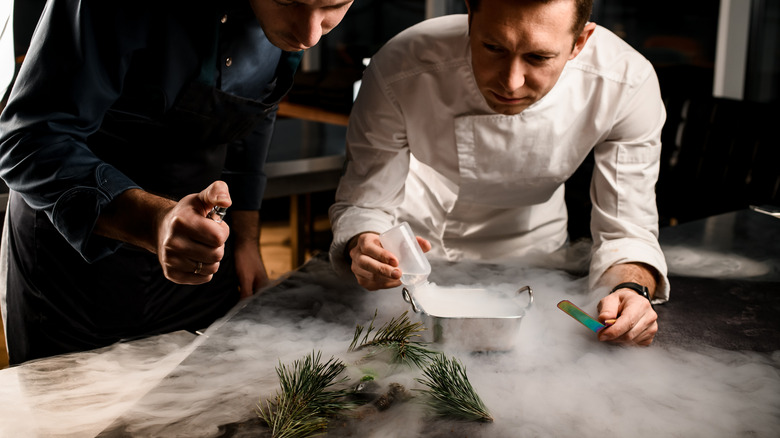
[557,381]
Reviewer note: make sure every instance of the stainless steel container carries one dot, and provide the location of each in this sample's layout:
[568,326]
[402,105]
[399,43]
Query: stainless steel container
[469,319]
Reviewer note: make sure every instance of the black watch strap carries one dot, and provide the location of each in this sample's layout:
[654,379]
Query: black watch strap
[636,287]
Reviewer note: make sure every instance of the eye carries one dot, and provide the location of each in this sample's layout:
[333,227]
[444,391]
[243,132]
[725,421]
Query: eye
[538,59]
[339,6]
[492,48]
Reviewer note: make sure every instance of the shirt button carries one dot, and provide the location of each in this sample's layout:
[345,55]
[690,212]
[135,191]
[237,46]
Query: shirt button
[223,19]
[229,61]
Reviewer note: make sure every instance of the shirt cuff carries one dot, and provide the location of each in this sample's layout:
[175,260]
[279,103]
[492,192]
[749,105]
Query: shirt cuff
[348,225]
[631,251]
[76,212]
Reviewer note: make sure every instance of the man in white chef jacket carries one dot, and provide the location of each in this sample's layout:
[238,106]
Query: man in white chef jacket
[467,127]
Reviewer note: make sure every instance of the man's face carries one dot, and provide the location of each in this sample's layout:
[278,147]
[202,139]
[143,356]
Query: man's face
[519,50]
[294,25]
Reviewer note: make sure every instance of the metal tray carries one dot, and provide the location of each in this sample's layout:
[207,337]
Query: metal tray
[469,319]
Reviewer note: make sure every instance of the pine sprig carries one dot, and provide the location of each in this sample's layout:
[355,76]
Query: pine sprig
[288,418]
[450,392]
[304,404]
[395,336]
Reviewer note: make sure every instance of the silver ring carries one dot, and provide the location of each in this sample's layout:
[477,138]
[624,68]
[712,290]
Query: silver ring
[198,268]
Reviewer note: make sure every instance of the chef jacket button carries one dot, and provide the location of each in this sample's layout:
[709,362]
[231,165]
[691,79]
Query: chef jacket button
[229,61]
[223,19]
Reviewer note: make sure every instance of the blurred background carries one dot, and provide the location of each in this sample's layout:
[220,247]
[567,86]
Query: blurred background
[718,63]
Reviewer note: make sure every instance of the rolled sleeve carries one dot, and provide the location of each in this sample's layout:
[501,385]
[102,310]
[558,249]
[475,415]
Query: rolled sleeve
[629,250]
[76,212]
[55,106]
[351,222]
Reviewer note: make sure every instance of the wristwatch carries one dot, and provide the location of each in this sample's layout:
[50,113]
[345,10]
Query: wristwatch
[636,287]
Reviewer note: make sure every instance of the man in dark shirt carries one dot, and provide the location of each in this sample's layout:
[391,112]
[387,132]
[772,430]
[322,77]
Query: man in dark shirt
[128,122]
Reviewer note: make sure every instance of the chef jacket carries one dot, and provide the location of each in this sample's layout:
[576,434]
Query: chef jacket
[424,147]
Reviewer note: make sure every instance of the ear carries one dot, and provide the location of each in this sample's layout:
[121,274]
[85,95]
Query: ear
[579,43]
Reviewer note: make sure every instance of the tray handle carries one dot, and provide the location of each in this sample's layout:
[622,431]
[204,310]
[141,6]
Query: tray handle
[408,298]
[530,295]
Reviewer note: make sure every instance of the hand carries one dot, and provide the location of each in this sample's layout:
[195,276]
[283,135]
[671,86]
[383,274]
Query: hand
[636,320]
[190,245]
[250,268]
[375,267]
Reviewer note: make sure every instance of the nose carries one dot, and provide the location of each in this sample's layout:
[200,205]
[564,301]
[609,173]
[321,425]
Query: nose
[513,76]
[308,29]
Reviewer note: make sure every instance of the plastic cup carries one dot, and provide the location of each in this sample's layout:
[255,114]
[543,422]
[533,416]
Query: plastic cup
[400,241]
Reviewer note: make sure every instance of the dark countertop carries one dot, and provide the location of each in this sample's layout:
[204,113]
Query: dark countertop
[725,277]
[713,371]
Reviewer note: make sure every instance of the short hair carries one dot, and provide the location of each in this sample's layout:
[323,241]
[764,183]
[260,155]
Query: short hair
[583,9]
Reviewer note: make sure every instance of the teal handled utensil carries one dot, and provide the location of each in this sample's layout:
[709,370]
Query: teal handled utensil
[586,320]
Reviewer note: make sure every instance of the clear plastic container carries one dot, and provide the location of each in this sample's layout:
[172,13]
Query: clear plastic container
[412,262]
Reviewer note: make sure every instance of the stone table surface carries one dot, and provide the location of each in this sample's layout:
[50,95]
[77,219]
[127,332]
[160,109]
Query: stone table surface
[714,369]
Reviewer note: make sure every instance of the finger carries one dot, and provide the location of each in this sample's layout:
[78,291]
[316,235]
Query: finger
[179,262]
[201,273]
[614,306]
[372,285]
[424,244]
[632,327]
[245,288]
[187,223]
[645,330]
[370,280]
[608,307]
[249,285]
[641,334]
[204,269]
[216,194]
[180,250]
[372,275]
[371,246]
[205,274]
[207,245]
[368,255]
[382,271]
[646,337]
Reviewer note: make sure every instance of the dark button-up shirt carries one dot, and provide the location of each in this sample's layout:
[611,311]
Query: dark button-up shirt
[91,57]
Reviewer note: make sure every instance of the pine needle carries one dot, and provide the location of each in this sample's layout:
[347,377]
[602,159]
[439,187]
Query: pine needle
[450,392]
[304,404]
[395,336]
